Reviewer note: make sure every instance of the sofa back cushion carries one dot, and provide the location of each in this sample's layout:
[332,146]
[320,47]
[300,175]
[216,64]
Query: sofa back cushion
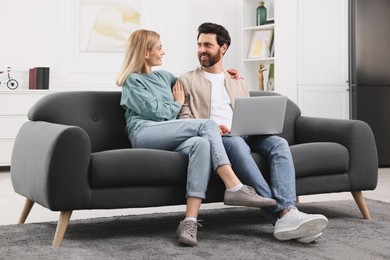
[97,112]
[101,116]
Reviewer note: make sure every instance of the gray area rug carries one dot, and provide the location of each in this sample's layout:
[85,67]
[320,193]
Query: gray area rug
[233,233]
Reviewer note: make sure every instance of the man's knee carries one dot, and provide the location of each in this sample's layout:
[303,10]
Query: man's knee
[235,144]
[280,142]
[233,140]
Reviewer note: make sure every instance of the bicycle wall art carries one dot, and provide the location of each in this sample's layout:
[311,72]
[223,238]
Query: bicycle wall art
[7,80]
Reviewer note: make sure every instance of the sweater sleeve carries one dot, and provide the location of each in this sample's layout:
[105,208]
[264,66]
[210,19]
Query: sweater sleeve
[138,98]
[185,111]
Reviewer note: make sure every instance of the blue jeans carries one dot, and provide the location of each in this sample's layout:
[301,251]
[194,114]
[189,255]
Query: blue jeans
[282,174]
[198,138]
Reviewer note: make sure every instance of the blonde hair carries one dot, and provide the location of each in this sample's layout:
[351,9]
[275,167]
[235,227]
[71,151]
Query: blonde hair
[138,44]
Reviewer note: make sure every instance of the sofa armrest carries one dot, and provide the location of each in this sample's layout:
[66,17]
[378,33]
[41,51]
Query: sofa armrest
[50,163]
[355,135]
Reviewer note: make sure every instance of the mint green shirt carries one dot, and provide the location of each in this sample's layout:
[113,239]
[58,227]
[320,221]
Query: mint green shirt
[148,97]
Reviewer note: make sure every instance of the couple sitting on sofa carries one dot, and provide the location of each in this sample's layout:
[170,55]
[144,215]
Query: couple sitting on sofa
[154,99]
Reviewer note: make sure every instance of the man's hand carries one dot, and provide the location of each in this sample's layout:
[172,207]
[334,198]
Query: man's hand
[178,92]
[223,129]
[234,73]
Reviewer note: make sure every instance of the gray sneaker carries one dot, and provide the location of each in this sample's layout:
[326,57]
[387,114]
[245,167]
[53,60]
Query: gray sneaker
[247,196]
[187,232]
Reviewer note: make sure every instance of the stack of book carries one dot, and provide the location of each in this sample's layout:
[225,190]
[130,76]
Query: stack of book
[39,78]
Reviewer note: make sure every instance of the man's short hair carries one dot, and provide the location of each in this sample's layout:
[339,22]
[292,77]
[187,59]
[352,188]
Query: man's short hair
[213,28]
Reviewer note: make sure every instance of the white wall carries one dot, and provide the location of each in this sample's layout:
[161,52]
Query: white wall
[286,20]
[46,33]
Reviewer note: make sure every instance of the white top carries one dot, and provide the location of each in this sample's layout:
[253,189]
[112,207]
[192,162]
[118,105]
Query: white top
[221,109]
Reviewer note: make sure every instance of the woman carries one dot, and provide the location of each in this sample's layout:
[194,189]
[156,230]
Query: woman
[151,108]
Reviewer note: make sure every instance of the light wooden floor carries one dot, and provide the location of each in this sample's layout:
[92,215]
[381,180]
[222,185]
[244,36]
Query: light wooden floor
[11,204]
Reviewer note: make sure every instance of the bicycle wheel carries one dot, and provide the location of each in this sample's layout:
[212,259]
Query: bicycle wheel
[12,84]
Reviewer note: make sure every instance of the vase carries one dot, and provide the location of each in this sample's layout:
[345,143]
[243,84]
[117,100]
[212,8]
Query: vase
[261,14]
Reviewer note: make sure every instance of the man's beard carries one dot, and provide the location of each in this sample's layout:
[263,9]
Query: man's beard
[210,61]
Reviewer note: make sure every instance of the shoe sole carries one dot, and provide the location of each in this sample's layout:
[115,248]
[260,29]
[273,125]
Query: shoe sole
[187,242]
[255,205]
[307,229]
[309,239]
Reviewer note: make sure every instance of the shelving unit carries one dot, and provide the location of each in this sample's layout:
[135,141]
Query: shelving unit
[250,66]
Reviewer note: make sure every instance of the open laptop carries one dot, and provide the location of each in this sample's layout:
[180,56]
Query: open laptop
[258,115]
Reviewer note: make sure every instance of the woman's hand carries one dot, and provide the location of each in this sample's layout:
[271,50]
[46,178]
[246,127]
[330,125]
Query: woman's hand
[234,73]
[178,92]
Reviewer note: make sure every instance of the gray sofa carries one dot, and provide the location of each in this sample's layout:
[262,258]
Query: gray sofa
[74,154]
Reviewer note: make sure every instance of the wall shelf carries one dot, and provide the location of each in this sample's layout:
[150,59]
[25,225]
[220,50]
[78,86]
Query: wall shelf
[250,66]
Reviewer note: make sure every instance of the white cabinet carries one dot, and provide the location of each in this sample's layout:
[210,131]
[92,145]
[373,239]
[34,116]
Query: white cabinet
[323,58]
[14,106]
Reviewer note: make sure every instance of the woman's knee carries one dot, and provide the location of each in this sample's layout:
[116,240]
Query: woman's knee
[211,124]
[200,143]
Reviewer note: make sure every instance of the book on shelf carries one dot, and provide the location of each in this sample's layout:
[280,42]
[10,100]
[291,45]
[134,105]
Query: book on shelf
[39,78]
[261,43]
[32,78]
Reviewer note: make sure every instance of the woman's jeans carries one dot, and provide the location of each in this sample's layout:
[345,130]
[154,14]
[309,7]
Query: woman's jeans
[200,139]
[282,174]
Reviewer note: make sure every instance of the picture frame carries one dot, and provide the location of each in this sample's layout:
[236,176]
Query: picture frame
[104,26]
[261,43]
[271,79]
[270,10]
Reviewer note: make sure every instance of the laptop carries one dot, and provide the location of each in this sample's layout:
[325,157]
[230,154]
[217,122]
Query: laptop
[258,115]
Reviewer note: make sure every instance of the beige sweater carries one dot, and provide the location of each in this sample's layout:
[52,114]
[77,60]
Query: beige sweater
[198,93]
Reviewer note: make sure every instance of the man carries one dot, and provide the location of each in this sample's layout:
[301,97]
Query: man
[210,93]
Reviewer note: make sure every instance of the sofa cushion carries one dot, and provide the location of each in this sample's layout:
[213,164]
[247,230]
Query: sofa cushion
[137,167]
[319,158]
[97,112]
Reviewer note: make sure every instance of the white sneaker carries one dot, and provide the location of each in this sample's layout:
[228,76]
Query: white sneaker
[309,239]
[296,224]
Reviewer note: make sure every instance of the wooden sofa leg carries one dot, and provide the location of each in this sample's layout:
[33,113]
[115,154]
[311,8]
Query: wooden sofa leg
[28,204]
[359,199]
[63,222]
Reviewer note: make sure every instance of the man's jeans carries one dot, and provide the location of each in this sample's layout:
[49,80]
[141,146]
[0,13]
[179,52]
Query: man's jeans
[282,174]
[200,139]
